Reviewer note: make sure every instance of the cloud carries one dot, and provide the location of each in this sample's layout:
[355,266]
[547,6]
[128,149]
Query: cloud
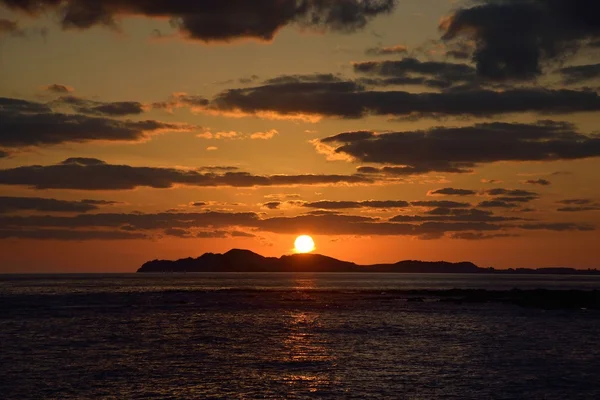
[340,205]
[109,109]
[94,174]
[440,203]
[312,99]
[515,39]
[580,208]
[386,51]
[9,204]
[542,182]
[212,148]
[70,235]
[579,202]
[219,135]
[459,150]
[463,215]
[179,100]
[407,71]
[272,205]
[580,73]
[579,205]
[24,123]
[222,224]
[558,226]
[59,89]
[11,28]
[264,135]
[215,21]
[497,204]
[479,236]
[511,195]
[452,192]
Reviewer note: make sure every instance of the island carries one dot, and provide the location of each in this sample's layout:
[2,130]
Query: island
[238,260]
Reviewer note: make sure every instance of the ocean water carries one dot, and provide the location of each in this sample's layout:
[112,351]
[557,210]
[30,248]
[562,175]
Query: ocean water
[252,336]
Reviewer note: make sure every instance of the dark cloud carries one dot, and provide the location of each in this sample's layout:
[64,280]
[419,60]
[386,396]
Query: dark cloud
[272,205]
[515,38]
[510,192]
[580,73]
[64,234]
[479,235]
[579,202]
[11,28]
[509,196]
[59,89]
[3,154]
[109,109]
[459,54]
[466,216]
[435,74]
[350,99]
[215,224]
[178,100]
[579,205]
[178,232]
[440,203]
[93,174]
[459,150]
[580,208]
[340,205]
[291,79]
[542,182]
[9,204]
[8,105]
[215,20]
[558,226]
[452,192]
[386,51]
[24,123]
[497,204]
[199,204]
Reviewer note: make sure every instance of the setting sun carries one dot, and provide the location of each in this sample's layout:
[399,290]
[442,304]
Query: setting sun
[304,244]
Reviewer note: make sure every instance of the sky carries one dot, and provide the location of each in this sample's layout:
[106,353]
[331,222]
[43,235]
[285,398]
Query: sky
[387,130]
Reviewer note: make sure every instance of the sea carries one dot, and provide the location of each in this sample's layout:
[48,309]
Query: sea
[292,336]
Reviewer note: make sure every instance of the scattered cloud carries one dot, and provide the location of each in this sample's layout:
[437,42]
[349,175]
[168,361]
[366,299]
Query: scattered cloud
[312,99]
[214,21]
[386,51]
[59,89]
[94,174]
[264,135]
[516,39]
[11,204]
[411,71]
[541,182]
[340,205]
[24,123]
[580,73]
[459,150]
[452,192]
[10,28]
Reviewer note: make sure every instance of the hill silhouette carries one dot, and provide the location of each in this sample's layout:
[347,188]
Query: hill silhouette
[238,260]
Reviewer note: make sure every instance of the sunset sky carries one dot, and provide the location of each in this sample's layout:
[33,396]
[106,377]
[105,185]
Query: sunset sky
[387,130]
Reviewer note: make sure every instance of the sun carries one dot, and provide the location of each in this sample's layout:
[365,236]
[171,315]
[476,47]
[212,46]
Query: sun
[304,244]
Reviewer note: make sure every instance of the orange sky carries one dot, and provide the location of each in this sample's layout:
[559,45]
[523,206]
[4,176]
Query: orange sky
[164,131]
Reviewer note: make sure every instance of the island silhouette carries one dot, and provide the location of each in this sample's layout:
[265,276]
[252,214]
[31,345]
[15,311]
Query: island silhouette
[239,260]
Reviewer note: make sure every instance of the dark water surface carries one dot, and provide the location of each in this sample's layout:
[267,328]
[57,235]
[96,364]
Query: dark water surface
[349,336]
